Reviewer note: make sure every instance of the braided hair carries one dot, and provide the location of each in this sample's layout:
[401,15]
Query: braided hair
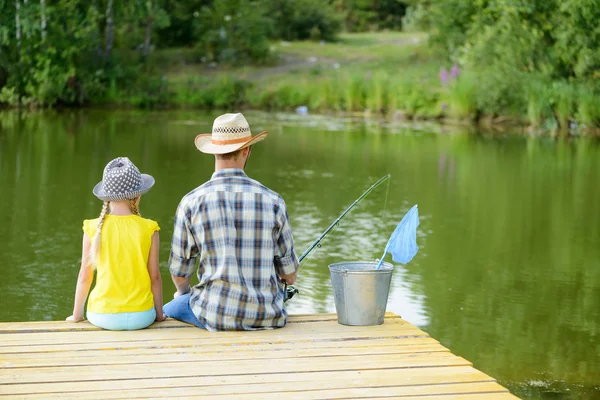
[133,205]
[95,249]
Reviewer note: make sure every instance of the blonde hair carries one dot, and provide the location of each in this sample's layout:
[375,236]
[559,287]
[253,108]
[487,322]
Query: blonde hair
[133,206]
[95,248]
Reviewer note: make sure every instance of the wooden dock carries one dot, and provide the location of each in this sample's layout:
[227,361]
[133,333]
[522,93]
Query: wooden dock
[313,357]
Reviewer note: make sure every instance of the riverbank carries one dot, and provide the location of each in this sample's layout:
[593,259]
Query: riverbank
[385,75]
[389,75]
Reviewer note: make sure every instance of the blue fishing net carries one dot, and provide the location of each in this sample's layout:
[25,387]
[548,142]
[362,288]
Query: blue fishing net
[403,242]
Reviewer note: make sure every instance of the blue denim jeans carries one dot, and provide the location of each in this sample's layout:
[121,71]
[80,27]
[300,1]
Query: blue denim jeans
[180,309]
[125,321]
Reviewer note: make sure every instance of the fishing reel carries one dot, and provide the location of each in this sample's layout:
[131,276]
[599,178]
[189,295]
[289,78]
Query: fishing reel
[289,292]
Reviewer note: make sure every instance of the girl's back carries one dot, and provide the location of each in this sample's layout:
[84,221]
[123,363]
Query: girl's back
[122,281]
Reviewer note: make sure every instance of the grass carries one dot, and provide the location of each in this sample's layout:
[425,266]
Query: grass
[588,107]
[328,76]
[385,74]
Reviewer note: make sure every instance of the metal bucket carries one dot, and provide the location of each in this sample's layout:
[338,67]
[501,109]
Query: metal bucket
[360,291]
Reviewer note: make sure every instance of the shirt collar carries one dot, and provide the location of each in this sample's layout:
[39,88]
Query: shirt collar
[228,172]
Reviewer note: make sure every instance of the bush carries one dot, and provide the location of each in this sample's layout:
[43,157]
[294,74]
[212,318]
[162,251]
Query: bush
[235,32]
[462,97]
[563,98]
[539,102]
[588,107]
[368,15]
[304,19]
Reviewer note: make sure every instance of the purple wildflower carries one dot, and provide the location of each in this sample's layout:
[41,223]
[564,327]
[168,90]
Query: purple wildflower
[454,71]
[443,76]
[444,106]
[368,75]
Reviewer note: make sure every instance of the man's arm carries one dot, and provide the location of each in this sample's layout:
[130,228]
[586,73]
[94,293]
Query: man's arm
[182,284]
[184,251]
[286,261]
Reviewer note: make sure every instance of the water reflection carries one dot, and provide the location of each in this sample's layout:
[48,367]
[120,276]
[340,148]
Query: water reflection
[507,273]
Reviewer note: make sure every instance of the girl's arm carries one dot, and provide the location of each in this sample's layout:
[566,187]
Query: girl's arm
[155,277]
[84,281]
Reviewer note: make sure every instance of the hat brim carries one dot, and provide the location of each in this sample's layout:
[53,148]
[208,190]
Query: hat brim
[204,143]
[147,183]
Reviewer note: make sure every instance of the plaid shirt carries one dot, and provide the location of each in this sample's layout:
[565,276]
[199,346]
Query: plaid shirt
[239,229]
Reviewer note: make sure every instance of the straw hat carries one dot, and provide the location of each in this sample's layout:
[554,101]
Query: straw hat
[122,180]
[230,132]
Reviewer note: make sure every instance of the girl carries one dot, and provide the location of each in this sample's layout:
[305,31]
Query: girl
[123,248]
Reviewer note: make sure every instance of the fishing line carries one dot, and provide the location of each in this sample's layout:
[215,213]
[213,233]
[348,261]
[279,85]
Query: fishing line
[331,228]
[289,290]
[387,190]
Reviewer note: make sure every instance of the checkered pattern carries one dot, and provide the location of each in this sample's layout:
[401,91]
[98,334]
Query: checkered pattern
[240,232]
[231,129]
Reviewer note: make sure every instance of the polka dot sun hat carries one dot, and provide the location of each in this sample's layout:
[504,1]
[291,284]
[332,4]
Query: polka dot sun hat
[122,180]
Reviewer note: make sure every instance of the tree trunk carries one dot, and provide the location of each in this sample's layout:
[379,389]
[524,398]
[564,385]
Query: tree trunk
[18,34]
[148,35]
[18,23]
[97,40]
[110,34]
[43,24]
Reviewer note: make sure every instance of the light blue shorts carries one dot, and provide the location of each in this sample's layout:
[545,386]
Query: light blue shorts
[126,321]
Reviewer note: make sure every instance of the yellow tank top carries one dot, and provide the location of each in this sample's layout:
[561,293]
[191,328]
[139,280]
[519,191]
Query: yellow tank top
[122,278]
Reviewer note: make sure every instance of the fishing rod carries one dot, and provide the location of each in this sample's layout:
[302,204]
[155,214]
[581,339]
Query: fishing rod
[290,291]
[317,243]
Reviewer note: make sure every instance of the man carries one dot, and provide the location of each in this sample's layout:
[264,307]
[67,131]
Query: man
[240,232]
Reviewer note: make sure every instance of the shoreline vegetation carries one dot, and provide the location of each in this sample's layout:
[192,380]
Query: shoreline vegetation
[385,75]
[290,56]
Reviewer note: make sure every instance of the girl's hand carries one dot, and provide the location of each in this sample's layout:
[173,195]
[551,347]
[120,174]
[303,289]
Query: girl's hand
[73,319]
[161,317]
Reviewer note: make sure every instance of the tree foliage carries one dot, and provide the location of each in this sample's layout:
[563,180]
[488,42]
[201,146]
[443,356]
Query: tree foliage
[557,38]
[73,51]
[369,15]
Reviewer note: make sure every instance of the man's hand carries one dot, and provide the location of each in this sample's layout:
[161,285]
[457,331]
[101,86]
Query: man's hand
[182,284]
[289,279]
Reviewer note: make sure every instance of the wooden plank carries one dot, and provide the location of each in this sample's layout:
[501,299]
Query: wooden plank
[361,393]
[303,318]
[60,326]
[312,357]
[198,354]
[292,328]
[463,396]
[94,349]
[218,341]
[321,330]
[255,382]
[212,368]
[320,326]
[289,345]
[52,326]
[346,393]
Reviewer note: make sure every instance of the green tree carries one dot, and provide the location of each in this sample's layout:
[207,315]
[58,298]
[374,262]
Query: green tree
[304,19]
[369,15]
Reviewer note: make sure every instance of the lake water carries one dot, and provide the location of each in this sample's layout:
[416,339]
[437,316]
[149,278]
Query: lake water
[508,272]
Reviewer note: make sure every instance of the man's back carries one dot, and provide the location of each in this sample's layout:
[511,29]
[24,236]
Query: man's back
[241,232]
